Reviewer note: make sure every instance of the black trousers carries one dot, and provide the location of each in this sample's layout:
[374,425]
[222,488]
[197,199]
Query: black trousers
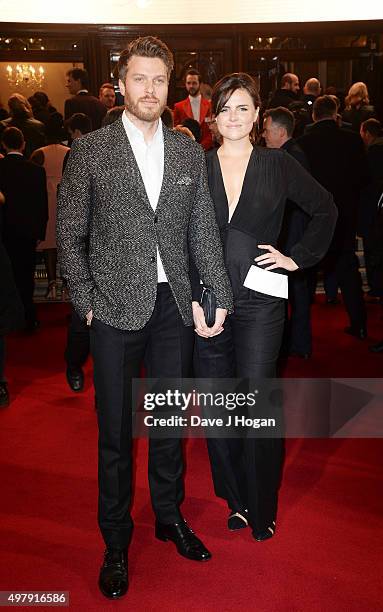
[298,326]
[246,472]
[77,348]
[166,346]
[345,266]
[22,253]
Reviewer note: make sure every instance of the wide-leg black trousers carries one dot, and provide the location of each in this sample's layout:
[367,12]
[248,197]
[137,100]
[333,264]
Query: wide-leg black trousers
[166,346]
[246,471]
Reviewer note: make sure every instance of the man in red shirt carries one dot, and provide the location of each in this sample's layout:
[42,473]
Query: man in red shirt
[195,106]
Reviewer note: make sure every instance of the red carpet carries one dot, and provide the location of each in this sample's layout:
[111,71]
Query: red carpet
[325,557]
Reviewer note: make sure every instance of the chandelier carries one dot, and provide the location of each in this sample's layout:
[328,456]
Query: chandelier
[25,75]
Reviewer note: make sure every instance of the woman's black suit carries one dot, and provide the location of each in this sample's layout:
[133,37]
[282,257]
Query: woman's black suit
[246,471]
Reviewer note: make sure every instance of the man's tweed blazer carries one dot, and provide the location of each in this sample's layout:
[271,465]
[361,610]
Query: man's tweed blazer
[108,233]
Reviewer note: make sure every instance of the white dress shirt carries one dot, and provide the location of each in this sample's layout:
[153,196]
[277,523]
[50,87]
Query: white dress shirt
[195,102]
[150,161]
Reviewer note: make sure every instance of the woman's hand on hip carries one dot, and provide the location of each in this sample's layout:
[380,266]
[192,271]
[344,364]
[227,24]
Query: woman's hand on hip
[275,259]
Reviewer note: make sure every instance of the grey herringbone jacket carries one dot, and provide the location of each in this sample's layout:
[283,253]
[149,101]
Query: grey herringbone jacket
[107,232]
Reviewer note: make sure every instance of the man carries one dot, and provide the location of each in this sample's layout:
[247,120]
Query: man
[195,106]
[311,91]
[337,161]
[25,216]
[82,102]
[287,93]
[133,197]
[278,128]
[77,347]
[21,117]
[107,96]
[371,222]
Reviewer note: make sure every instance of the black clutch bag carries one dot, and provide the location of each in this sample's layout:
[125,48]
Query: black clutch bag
[208,303]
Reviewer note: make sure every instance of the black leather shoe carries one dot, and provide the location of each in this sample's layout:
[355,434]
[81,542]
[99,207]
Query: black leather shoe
[377,348]
[113,580]
[75,379]
[187,543]
[358,332]
[4,395]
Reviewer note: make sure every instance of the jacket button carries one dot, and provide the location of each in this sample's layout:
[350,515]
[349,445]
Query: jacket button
[155,219]
[152,259]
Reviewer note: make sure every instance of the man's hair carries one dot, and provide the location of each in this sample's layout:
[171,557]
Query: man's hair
[167,117]
[12,138]
[106,86]
[287,79]
[193,72]
[324,106]
[372,126]
[194,127]
[228,85]
[112,115]
[79,121]
[19,107]
[145,46]
[283,117]
[313,86]
[79,74]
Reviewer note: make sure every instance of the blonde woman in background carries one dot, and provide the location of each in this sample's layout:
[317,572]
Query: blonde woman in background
[358,107]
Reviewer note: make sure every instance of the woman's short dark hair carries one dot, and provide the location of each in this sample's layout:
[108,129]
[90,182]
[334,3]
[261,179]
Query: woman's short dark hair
[228,85]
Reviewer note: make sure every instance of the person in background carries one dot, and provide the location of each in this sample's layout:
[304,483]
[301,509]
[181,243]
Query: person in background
[112,114]
[107,95]
[77,346]
[11,311]
[25,216]
[287,93]
[311,91]
[51,158]
[358,107]
[278,128]
[21,117]
[337,161]
[167,117]
[195,106]
[41,107]
[77,83]
[194,127]
[370,218]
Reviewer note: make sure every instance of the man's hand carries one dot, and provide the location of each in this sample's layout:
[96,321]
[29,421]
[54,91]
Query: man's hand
[89,318]
[200,324]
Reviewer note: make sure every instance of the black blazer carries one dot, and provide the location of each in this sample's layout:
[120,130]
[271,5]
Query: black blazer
[87,104]
[337,161]
[11,307]
[25,212]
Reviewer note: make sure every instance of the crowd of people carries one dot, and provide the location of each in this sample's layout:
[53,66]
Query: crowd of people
[229,193]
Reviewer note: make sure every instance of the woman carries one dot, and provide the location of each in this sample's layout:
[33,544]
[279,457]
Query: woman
[249,186]
[51,158]
[358,108]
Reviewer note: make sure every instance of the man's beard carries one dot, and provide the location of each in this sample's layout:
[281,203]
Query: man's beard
[148,114]
[194,92]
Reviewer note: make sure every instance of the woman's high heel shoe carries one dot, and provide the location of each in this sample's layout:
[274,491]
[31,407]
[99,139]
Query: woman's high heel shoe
[237,520]
[52,291]
[265,535]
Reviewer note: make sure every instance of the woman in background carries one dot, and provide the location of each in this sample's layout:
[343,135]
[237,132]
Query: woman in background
[249,187]
[358,108]
[51,157]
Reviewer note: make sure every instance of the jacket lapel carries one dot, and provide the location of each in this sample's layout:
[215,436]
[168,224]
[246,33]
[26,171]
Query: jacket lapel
[171,166]
[126,162]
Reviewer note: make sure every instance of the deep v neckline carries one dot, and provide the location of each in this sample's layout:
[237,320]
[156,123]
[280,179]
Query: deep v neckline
[220,173]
